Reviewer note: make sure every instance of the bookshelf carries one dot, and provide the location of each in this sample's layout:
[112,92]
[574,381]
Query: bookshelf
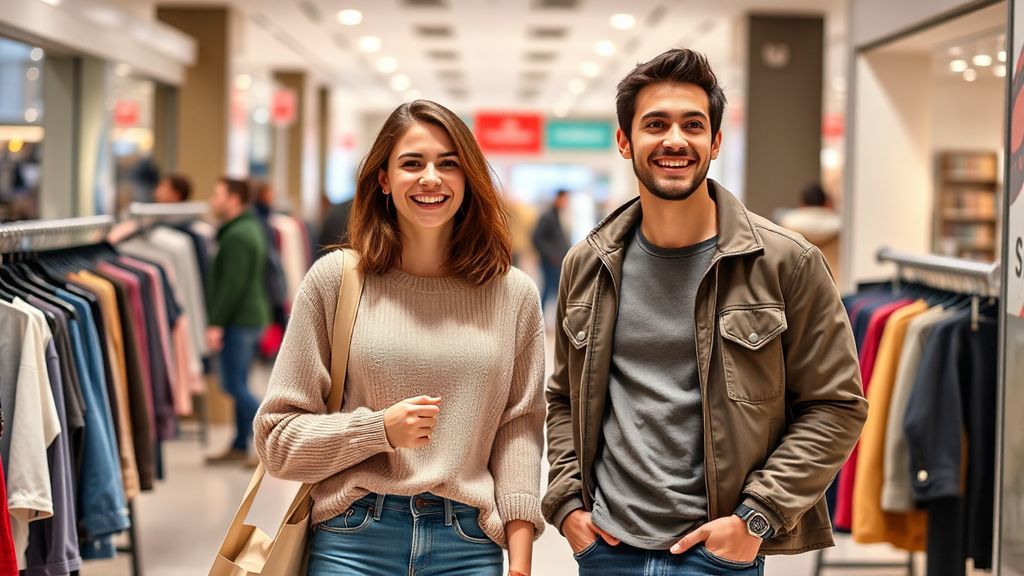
[968,192]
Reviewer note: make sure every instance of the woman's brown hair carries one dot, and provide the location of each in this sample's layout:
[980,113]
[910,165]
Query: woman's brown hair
[481,246]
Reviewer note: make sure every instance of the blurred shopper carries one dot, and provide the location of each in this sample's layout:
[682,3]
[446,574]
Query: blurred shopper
[275,284]
[334,228]
[173,188]
[238,306]
[705,389]
[434,460]
[818,222]
[552,243]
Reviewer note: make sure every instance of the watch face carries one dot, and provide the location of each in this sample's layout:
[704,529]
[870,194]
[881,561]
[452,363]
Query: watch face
[758,525]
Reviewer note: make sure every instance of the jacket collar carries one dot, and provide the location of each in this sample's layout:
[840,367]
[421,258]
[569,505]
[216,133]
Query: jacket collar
[736,233]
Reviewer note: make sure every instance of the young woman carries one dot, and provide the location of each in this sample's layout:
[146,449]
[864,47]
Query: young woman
[433,464]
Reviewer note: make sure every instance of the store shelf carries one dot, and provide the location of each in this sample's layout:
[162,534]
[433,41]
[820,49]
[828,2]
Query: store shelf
[967,189]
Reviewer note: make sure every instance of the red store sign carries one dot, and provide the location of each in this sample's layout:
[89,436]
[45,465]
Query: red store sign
[509,133]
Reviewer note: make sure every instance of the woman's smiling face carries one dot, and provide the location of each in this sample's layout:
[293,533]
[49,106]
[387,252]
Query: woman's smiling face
[425,179]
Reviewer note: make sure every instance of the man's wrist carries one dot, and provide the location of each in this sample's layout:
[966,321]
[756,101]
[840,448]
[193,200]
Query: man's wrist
[757,523]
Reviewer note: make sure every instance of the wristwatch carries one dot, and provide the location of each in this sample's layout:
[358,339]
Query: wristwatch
[757,524]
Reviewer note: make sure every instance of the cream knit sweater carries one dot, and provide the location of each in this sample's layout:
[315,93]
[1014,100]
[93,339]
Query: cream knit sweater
[481,350]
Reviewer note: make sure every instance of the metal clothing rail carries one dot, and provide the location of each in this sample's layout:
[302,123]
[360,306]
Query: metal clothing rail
[36,235]
[168,210]
[984,276]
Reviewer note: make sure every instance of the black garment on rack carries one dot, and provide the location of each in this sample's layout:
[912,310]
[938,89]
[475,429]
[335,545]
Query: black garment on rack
[955,392]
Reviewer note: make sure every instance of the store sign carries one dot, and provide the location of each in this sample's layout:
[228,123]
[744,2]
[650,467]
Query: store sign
[283,107]
[1014,273]
[579,135]
[509,133]
[126,113]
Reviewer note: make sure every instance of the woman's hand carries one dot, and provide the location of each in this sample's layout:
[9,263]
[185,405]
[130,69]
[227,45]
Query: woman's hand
[409,423]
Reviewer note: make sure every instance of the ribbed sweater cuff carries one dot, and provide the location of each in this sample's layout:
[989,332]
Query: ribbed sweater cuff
[521,507]
[366,432]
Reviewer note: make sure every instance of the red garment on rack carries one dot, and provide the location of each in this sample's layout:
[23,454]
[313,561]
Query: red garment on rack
[8,560]
[873,337]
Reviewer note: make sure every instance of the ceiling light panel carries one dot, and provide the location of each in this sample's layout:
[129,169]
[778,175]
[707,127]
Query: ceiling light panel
[540,56]
[547,32]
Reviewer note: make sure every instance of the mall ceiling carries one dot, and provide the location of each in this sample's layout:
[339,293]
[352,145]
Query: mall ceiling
[560,56]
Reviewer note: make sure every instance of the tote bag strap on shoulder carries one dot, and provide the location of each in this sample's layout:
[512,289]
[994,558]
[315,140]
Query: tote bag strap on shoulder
[246,550]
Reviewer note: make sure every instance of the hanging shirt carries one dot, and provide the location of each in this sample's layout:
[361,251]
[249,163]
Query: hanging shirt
[53,542]
[34,426]
[868,353]
[870,524]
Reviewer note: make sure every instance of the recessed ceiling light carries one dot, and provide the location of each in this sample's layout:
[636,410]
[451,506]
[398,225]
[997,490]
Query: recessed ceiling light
[999,70]
[1001,55]
[387,65]
[605,47]
[955,51]
[623,21]
[369,44]
[243,82]
[400,82]
[32,74]
[970,74]
[37,54]
[350,17]
[590,69]
[958,65]
[982,60]
[31,115]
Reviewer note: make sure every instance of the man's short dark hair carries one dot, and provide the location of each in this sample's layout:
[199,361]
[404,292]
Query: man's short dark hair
[237,188]
[561,192]
[181,185]
[814,195]
[677,65]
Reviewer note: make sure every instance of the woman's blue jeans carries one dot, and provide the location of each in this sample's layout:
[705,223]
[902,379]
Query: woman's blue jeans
[421,535]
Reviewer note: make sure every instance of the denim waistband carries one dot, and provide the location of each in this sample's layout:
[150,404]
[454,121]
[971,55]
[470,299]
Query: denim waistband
[424,504]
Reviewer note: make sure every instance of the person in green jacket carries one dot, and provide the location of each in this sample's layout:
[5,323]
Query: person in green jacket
[238,306]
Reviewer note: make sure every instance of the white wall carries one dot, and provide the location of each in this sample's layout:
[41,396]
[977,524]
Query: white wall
[968,115]
[891,170]
[874,20]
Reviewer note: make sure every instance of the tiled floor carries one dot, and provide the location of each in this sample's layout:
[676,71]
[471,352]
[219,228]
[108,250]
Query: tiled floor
[181,523]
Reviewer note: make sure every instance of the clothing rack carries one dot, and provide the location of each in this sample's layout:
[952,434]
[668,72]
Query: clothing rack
[37,235]
[980,279]
[147,213]
[166,211]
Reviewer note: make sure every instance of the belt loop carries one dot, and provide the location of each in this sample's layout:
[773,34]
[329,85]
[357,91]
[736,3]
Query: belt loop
[448,512]
[378,507]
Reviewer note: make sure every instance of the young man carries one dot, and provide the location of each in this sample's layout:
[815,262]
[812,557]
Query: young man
[238,306]
[705,388]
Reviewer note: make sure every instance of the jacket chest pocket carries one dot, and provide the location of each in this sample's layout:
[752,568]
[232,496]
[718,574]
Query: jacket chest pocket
[752,353]
[576,325]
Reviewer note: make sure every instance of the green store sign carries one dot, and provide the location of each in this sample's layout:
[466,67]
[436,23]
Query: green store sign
[579,135]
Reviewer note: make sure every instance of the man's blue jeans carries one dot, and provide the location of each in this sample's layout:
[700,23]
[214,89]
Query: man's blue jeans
[418,536]
[235,359]
[600,559]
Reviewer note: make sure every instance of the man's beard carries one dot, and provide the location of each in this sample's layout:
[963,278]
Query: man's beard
[673,192]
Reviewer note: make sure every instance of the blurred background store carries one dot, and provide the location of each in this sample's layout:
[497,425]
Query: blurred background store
[897,111]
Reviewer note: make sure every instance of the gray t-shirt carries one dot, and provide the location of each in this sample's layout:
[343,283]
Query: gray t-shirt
[650,470]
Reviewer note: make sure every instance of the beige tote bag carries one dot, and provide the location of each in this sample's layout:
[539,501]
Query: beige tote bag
[248,550]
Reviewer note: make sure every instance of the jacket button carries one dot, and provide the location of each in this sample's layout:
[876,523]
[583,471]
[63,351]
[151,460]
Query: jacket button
[581,335]
[754,338]
[922,475]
